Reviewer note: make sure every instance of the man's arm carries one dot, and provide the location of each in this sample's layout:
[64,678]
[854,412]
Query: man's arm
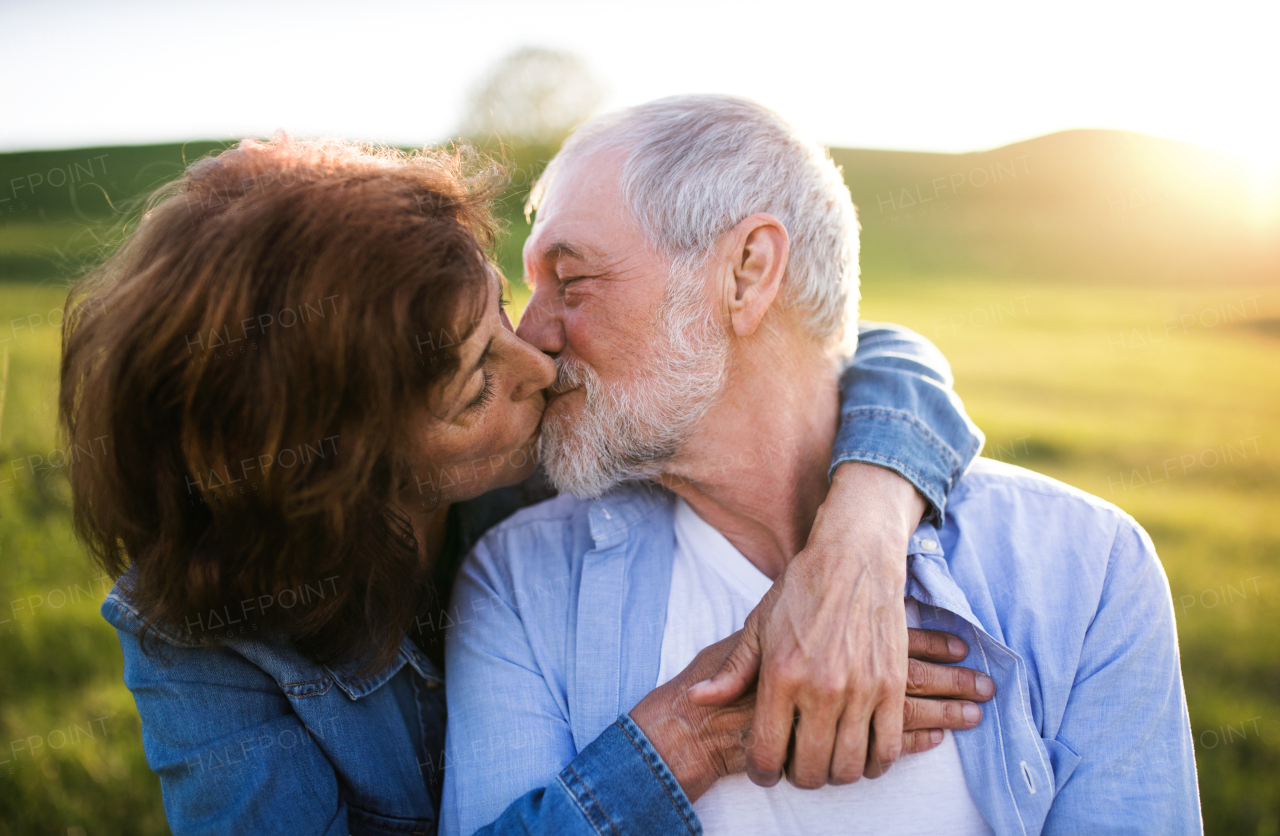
[1122,756]
[830,639]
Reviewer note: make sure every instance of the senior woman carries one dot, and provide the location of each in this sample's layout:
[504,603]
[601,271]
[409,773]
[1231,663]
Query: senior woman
[309,404]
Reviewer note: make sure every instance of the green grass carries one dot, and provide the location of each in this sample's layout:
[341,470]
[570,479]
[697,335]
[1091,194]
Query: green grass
[1056,391]
[1057,361]
[61,661]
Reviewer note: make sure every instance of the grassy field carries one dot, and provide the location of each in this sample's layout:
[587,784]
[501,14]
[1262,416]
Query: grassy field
[1179,433]
[1153,386]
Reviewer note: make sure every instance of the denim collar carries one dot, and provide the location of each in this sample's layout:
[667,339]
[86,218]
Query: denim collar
[273,652]
[356,685]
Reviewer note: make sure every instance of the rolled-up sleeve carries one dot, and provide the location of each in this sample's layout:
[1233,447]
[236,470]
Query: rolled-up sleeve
[618,785]
[898,410]
[511,766]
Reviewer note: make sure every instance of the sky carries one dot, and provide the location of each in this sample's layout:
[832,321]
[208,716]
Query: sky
[910,76]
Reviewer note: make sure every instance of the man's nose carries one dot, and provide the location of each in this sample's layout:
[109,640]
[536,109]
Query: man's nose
[540,324]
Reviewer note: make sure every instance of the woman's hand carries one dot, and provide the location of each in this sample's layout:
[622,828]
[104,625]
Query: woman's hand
[829,640]
[702,744]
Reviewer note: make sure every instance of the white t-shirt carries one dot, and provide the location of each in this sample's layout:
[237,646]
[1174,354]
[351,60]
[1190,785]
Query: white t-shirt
[713,588]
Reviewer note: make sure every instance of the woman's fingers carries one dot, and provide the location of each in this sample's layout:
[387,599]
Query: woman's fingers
[921,740]
[709,661]
[918,714]
[737,669]
[925,679]
[935,646]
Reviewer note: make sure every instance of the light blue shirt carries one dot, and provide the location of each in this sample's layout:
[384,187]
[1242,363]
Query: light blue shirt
[1059,594]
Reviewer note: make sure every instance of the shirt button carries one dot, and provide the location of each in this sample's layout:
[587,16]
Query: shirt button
[929,544]
[432,685]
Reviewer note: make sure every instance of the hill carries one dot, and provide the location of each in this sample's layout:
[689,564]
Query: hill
[1078,206]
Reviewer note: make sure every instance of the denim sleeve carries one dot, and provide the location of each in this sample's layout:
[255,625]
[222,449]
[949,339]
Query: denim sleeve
[1122,758]
[200,734]
[898,411]
[619,785]
[511,763]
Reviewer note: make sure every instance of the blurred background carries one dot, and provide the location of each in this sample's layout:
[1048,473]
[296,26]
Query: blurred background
[1078,203]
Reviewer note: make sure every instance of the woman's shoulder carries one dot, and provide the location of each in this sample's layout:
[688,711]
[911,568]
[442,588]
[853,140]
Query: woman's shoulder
[216,645]
[226,647]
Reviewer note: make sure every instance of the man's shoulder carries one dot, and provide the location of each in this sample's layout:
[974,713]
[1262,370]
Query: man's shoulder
[990,481]
[1015,511]
[552,535]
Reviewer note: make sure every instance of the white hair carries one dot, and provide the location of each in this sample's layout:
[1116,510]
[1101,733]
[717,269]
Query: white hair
[628,431]
[698,165]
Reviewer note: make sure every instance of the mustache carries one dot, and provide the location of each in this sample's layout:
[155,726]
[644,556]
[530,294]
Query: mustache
[572,374]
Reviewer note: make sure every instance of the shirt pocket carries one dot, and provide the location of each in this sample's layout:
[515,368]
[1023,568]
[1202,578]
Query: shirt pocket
[1063,761]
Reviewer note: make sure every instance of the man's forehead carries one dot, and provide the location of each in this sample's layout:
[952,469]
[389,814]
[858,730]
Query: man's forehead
[583,195]
[558,249]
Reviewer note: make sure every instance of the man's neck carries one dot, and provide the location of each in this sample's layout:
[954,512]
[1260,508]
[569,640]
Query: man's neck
[756,468]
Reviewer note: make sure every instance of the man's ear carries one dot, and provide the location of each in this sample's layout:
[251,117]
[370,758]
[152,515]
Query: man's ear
[759,246]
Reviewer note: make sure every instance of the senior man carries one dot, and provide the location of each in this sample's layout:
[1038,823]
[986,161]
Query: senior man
[694,273]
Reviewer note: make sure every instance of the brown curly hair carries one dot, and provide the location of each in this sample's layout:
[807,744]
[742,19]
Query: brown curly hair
[237,376]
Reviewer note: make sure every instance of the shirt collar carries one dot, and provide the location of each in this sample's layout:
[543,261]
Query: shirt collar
[1005,761]
[612,515]
[929,578]
[356,685]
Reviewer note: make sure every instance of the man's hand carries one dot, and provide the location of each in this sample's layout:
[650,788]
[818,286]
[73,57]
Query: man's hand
[829,640]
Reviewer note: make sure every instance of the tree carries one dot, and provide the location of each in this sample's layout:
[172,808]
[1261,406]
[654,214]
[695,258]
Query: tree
[532,97]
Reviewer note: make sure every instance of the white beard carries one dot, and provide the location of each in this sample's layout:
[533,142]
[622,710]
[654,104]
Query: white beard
[628,432]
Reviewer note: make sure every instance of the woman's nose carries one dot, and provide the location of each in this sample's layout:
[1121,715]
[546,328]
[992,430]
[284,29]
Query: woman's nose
[535,370]
[540,323]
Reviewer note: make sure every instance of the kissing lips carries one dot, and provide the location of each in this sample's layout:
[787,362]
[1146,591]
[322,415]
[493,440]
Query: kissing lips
[555,392]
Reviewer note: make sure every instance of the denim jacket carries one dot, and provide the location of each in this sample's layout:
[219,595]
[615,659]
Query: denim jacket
[250,737]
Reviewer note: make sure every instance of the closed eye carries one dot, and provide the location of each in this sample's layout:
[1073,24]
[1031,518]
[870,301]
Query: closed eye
[569,281]
[486,393]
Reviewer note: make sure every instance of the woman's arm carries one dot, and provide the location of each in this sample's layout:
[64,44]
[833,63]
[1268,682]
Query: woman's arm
[898,411]
[511,762]
[620,783]
[231,754]
[829,641]
[513,766]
